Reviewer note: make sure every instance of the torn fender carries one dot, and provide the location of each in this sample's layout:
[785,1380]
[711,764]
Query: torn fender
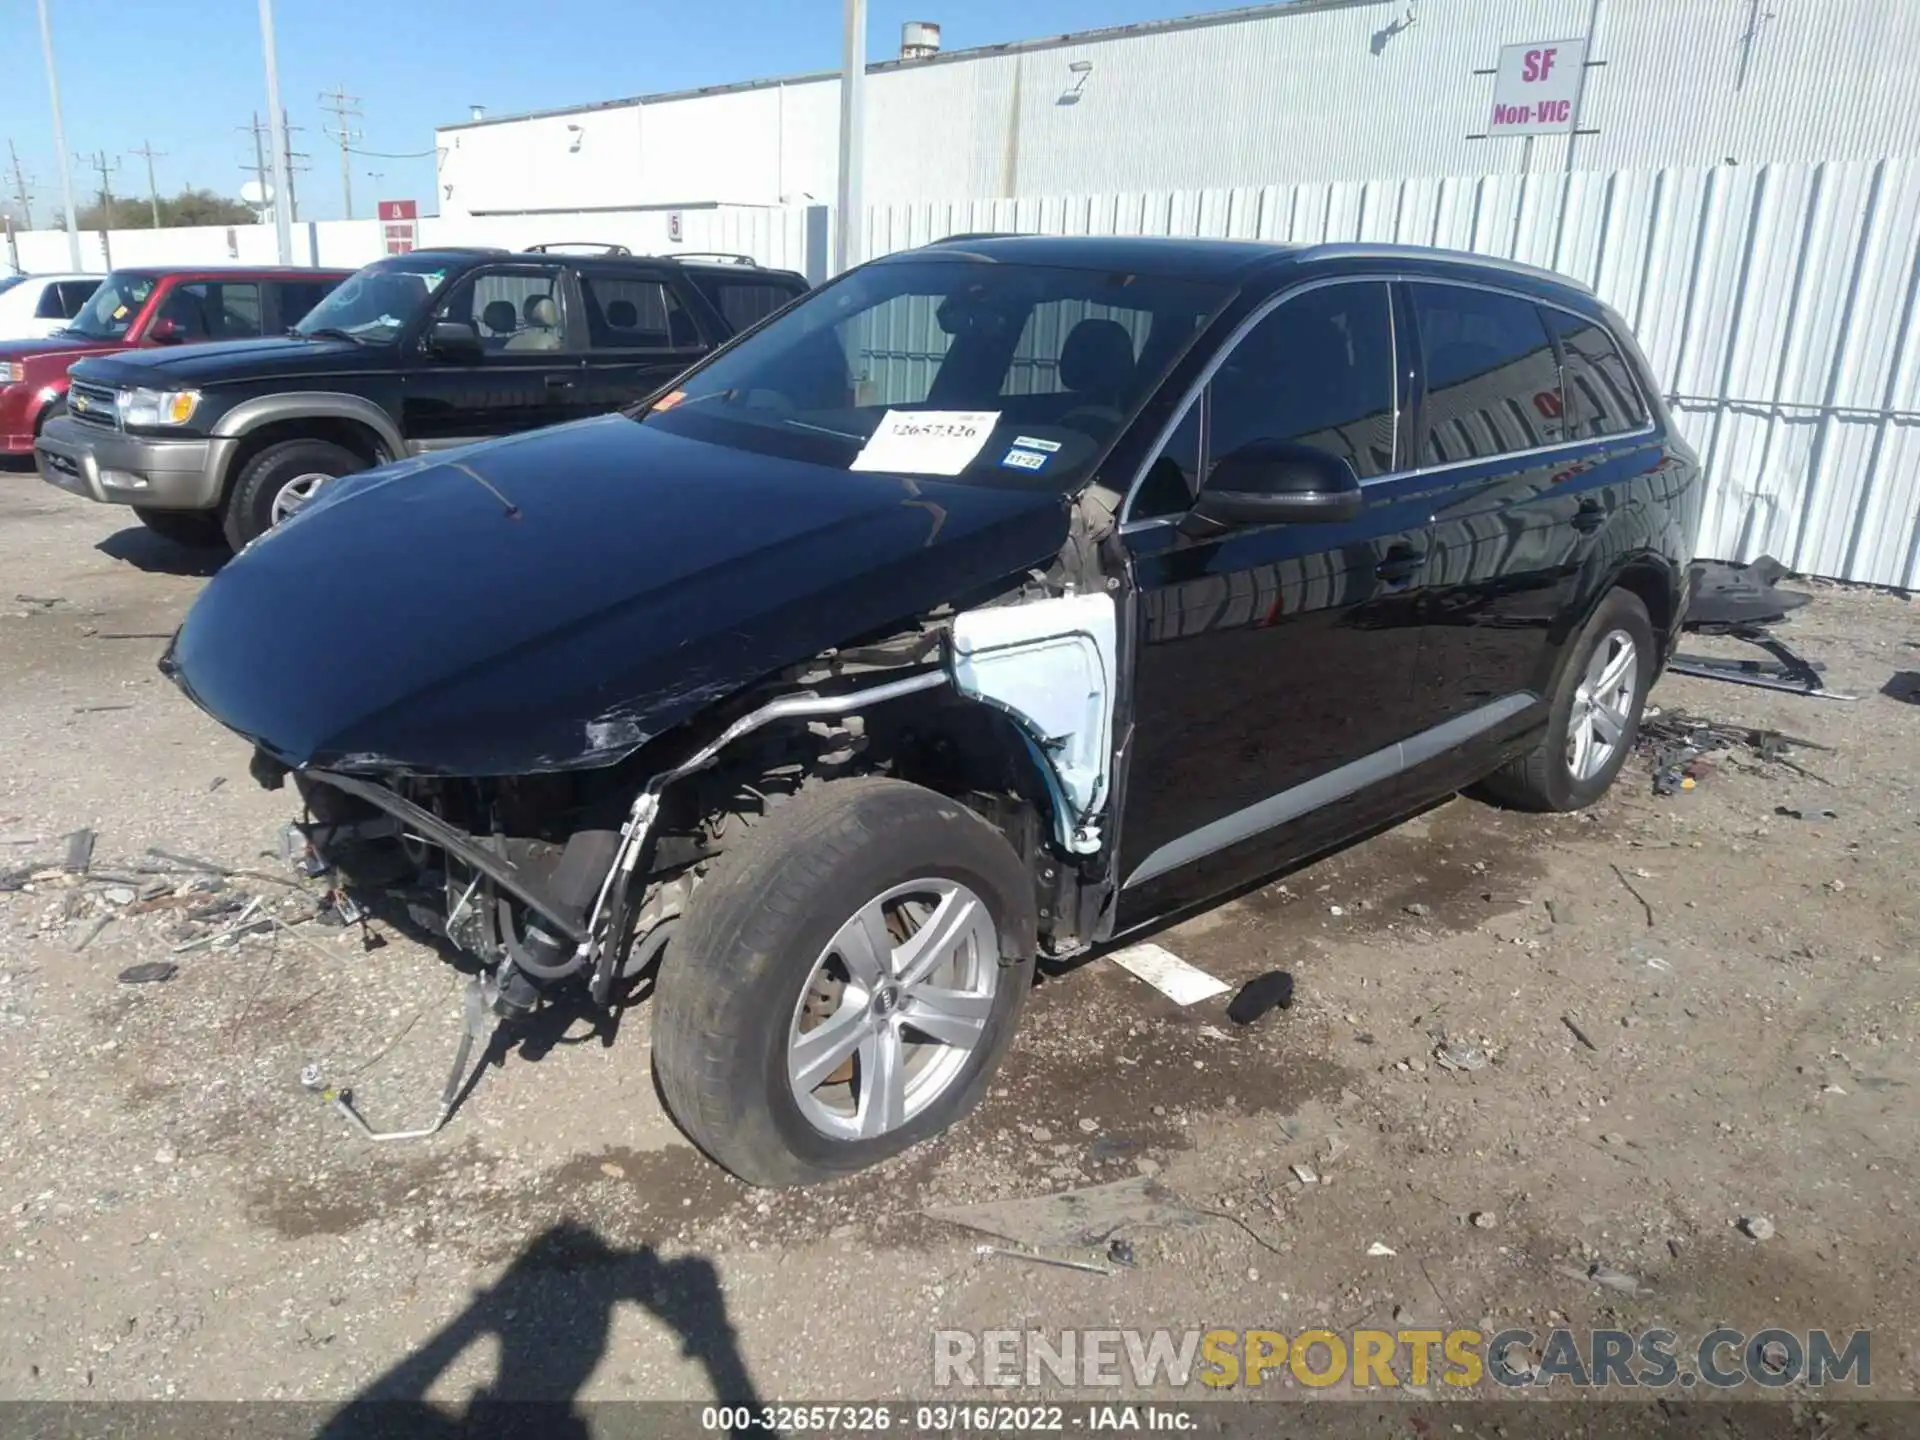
[1051,664]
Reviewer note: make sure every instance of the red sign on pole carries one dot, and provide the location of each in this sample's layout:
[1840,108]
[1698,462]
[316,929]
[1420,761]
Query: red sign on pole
[399,225]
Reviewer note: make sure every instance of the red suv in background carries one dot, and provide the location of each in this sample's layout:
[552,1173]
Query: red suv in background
[149,306]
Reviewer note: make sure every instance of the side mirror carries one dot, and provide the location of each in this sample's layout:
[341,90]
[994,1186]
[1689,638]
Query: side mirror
[1274,482]
[166,332]
[454,340]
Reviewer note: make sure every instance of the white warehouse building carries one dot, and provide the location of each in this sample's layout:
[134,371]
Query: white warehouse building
[1316,90]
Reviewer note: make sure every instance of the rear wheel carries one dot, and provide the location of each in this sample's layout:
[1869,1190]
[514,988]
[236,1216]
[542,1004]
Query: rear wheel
[279,480]
[838,990]
[196,529]
[1595,716]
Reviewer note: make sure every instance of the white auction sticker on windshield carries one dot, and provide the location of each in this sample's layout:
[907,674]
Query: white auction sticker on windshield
[927,442]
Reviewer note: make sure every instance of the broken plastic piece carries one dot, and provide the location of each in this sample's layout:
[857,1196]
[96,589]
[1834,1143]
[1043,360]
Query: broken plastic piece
[1263,993]
[1051,665]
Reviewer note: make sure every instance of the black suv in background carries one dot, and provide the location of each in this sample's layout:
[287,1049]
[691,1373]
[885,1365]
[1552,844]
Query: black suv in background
[997,599]
[414,353]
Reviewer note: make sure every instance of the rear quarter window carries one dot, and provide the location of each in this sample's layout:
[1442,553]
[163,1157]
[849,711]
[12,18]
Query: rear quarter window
[1603,398]
[745,302]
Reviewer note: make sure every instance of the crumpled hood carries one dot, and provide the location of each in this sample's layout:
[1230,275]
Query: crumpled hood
[555,599]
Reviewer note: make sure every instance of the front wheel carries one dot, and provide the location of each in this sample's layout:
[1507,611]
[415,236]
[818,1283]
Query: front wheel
[1595,716]
[278,481]
[844,983]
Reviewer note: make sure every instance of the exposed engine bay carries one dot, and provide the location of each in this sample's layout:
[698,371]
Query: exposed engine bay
[585,873]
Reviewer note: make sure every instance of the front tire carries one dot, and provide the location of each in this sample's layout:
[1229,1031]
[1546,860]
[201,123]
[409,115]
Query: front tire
[841,987]
[195,529]
[278,477]
[1595,717]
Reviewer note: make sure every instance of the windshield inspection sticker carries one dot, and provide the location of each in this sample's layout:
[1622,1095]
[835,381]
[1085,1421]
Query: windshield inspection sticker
[927,442]
[1028,453]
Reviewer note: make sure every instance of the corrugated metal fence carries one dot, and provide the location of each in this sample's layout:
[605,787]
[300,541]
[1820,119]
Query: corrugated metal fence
[1777,304]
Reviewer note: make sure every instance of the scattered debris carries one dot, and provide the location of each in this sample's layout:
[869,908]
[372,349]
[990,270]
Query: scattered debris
[1119,1251]
[1087,1218]
[120,894]
[92,933]
[96,709]
[1614,1280]
[149,972]
[1483,1219]
[1376,1249]
[312,1077]
[1088,1125]
[1903,685]
[1794,813]
[79,851]
[1756,1227]
[1645,904]
[1336,1147]
[218,781]
[247,921]
[1578,1033]
[1460,1055]
[1304,1174]
[1741,602]
[1173,977]
[1260,996]
[1084,1265]
[1418,910]
[1681,745]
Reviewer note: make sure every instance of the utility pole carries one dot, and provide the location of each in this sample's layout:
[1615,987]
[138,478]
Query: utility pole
[105,169]
[100,163]
[20,190]
[852,218]
[60,140]
[282,215]
[153,191]
[286,143]
[344,108]
[259,167]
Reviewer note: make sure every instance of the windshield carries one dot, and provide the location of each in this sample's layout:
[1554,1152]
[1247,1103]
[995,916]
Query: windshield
[7,282]
[111,311]
[1004,373]
[377,303]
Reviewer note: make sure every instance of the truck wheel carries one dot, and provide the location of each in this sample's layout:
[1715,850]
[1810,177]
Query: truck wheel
[844,982]
[1595,715]
[279,480]
[195,529]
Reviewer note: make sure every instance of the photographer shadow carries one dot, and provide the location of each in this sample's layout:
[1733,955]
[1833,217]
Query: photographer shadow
[551,1315]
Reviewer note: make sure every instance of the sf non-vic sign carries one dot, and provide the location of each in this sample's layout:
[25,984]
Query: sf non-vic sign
[1537,88]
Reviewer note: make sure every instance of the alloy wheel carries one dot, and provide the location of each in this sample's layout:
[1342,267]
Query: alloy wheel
[296,493]
[893,1009]
[1602,706]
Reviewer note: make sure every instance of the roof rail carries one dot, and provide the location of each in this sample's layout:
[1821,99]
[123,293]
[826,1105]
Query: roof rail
[981,235]
[727,257]
[592,247]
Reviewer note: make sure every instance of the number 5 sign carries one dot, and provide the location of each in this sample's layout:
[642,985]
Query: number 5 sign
[1537,88]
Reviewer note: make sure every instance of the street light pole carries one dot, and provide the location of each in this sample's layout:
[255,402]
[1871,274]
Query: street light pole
[850,222]
[60,141]
[277,118]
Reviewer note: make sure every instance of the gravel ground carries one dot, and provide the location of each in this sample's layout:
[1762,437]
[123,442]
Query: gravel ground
[1692,1009]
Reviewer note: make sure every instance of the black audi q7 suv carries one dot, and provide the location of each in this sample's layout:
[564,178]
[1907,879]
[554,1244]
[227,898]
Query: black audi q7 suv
[998,599]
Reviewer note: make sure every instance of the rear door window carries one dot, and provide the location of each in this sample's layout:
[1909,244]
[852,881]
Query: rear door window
[1317,371]
[743,302]
[1493,380]
[1602,397]
[633,312]
[214,309]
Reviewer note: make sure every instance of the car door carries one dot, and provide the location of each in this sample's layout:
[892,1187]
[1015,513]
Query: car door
[1272,663]
[526,374]
[1518,498]
[640,334]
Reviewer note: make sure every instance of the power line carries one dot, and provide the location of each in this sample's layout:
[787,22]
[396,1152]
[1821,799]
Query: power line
[293,198]
[261,167]
[99,163]
[344,107]
[153,191]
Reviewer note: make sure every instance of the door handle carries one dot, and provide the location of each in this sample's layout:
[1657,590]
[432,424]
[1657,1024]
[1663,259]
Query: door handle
[1401,563]
[1590,516]
[560,382]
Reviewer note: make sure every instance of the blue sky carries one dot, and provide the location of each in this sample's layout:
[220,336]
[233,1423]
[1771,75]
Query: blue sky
[185,75]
